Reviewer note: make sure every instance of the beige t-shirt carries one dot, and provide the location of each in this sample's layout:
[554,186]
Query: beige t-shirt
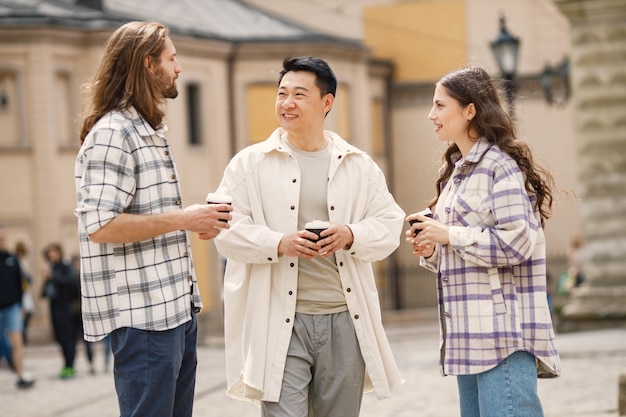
[319,286]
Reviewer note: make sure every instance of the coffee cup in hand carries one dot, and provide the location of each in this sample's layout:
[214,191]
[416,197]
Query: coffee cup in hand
[426,212]
[317,227]
[214,198]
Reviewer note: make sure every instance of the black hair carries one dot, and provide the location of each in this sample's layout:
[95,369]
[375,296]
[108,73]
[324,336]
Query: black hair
[325,78]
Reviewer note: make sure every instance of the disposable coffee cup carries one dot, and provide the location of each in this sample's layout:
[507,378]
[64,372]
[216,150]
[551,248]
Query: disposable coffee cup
[426,212]
[317,227]
[214,198]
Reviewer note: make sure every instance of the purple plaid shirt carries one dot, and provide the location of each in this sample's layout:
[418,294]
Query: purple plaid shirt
[492,275]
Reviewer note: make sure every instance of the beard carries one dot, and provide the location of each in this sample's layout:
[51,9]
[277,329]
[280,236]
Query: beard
[171,92]
[166,84]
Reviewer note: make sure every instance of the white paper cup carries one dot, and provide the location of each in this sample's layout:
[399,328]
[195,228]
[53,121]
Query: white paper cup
[214,198]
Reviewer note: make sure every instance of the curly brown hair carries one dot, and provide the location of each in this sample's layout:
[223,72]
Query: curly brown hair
[122,79]
[475,85]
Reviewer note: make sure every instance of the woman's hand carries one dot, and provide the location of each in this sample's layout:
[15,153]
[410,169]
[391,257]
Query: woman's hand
[429,233]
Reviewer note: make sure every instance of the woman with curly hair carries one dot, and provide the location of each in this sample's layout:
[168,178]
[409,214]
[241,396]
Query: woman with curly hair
[486,243]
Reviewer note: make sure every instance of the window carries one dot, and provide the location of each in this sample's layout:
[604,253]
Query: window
[378,123]
[194,110]
[65,129]
[12,128]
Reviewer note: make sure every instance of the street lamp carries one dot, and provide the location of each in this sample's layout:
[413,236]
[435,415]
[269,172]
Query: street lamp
[556,78]
[505,47]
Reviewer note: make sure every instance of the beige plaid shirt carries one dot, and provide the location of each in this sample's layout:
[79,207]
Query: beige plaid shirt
[125,166]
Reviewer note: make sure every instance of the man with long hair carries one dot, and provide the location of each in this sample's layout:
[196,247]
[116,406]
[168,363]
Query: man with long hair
[137,278]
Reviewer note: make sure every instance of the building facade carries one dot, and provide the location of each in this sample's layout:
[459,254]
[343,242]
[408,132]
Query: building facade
[387,55]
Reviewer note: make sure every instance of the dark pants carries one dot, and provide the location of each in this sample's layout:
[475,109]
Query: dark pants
[66,331]
[155,372]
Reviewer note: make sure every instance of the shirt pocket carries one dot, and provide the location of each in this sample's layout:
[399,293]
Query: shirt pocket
[473,210]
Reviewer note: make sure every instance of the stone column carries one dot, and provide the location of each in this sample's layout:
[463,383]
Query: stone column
[598,79]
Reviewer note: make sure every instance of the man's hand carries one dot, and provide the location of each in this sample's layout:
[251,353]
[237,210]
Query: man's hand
[205,219]
[298,244]
[208,220]
[337,236]
[304,244]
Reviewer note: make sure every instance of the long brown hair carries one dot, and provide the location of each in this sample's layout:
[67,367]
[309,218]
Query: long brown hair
[474,85]
[122,78]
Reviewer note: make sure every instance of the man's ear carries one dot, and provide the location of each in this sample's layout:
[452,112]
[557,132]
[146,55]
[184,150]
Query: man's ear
[147,63]
[329,100]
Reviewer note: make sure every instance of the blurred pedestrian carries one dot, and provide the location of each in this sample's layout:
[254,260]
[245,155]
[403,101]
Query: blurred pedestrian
[28,301]
[61,288]
[5,351]
[11,321]
[89,351]
[487,246]
[137,274]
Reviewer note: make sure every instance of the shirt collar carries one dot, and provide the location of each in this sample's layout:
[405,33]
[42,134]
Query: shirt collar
[142,126]
[274,143]
[476,152]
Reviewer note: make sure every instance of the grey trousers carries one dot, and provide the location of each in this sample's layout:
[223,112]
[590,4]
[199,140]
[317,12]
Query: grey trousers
[324,370]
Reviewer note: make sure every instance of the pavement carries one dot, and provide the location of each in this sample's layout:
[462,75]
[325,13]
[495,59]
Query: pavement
[592,363]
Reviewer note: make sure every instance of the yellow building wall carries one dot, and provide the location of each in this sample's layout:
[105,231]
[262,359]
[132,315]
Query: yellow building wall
[425,39]
[261,116]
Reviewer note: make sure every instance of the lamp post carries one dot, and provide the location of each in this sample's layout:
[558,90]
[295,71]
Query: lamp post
[556,78]
[505,48]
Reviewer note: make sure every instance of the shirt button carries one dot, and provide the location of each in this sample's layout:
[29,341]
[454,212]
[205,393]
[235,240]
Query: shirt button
[356,316]
[457,181]
[446,314]
[340,263]
[269,259]
[290,293]
[447,209]
[287,320]
[178,202]
[293,180]
[173,177]
[167,153]
[348,289]
[185,254]
[332,208]
[293,207]
[444,279]
[292,264]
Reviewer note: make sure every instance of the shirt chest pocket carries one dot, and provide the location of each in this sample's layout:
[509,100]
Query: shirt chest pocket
[473,210]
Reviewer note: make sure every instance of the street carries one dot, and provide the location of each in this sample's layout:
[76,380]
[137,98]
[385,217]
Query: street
[592,362]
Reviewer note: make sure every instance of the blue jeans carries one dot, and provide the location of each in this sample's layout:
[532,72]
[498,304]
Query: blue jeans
[508,390]
[155,372]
